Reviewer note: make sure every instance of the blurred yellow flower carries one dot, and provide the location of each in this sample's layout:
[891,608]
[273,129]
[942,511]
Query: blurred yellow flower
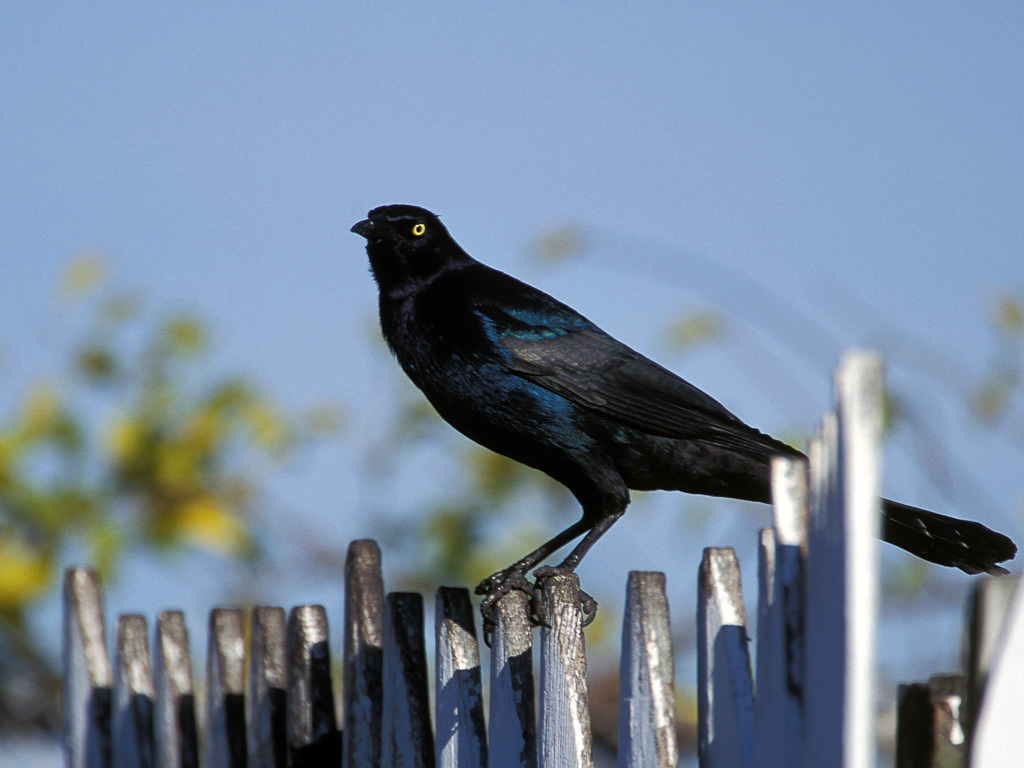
[41,409]
[212,525]
[82,275]
[269,429]
[124,439]
[24,572]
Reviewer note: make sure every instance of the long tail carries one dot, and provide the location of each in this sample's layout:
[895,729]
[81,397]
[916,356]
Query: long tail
[962,544]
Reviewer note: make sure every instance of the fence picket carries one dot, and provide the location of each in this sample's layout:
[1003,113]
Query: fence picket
[225,696]
[987,608]
[461,734]
[132,716]
[780,625]
[817,608]
[565,738]
[174,721]
[997,738]
[266,696]
[312,726]
[407,739]
[363,655]
[929,727]
[513,723]
[647,697]
[87,673]
[725,697]
[842,572]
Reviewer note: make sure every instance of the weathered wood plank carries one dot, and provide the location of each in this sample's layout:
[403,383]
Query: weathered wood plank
[842,572]
[987,608]
[174,722]
[266,696]
[407,738]
[132,720]
[225,691]
[860,406]
[780,625]
[363,655]
[725,695]
[647,694]
[929,730]
[565,736]
[87,673]
[313,737]
[461,736]
[997,738]
[513,713]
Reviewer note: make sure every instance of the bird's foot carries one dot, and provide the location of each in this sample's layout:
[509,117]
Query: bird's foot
[588,605]
[495,587]
[499,584]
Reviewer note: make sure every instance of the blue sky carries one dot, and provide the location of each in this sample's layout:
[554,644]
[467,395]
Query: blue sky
[861,166]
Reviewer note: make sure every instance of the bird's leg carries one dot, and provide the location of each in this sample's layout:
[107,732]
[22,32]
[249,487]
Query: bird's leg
[597,530]
[495,586]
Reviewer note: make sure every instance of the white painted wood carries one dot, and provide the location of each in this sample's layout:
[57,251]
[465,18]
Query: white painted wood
[311,724]
[565,736]
[461,736]
[997,738]
[225,691]
[861,398]
[647,693]
[780,627]
[725,691]
[87,673]
[265,701]
[987,609]
[363,655]
[174,720]
[132,716]
[842,572]
[408,740]
[512,734]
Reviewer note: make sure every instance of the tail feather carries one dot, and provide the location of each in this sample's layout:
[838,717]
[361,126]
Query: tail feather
[962,544]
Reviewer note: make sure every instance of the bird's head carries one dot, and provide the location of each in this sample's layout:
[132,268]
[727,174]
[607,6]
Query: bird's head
[405,244]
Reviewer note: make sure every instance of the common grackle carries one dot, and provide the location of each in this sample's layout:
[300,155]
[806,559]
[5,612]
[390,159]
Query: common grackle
[527,376]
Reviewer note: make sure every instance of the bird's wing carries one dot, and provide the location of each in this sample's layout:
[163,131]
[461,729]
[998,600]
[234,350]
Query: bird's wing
[593,369]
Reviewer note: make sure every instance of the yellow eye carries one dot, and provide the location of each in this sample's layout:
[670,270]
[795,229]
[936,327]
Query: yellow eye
[419,228]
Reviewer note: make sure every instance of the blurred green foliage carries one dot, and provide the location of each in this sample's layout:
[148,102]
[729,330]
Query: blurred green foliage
[994,395]
[130,447]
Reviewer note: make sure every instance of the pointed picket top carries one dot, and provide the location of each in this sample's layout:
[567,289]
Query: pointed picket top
[512,735]
[459,702]
[647,698]
[363,655]
[88,676]
[725,697]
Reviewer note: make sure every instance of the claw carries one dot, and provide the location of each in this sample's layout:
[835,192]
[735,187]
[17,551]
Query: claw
[588,605]
[495,587]
[499,584]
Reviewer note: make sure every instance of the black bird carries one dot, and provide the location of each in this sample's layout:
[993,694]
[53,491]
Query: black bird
[527,376]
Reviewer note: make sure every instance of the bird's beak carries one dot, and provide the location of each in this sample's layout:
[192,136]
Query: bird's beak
[364,228]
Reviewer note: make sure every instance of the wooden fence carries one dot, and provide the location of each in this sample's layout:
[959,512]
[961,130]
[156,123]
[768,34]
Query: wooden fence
[815,703]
